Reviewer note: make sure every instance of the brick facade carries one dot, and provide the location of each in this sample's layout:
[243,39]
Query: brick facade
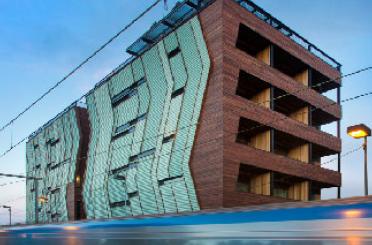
[216,155]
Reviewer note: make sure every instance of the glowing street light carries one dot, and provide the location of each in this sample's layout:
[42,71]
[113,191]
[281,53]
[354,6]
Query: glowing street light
[43,199]
[357,132]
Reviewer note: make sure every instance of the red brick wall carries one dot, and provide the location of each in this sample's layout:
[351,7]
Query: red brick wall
[84,128]
[233,15]
[216,157]
[207,156]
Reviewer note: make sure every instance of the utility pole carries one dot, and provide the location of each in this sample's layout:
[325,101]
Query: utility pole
[357,132]
[339,136]
[10,214]
[365,167]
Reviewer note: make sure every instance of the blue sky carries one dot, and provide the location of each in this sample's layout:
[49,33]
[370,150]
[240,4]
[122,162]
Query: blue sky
[41,41]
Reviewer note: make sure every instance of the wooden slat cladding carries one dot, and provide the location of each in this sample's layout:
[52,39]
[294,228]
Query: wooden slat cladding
[300,153]
[299,191]
[260,184]
[301,115]
[303,77]
[262,98]
[234,198]
[261,141]
[264,55]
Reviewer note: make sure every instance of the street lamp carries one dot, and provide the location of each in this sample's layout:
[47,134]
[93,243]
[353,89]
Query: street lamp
[36,179]
[357,132]
[10,214]
[43,199]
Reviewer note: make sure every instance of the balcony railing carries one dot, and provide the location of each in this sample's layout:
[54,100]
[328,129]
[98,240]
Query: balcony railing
[285,30]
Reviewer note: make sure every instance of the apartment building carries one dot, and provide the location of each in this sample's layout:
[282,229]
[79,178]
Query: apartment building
[220,105]
[265,94]
[56,156]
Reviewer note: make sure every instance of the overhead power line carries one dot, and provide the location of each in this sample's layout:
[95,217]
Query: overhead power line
[17,176]
[207,142]
[343,155]
[323,163]
[13,146]
[276,98]
[12,182]
[13,175]
[15,199]
[80,65]
[320,84]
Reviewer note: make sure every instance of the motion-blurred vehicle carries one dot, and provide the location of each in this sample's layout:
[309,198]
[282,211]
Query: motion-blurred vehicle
[347,221]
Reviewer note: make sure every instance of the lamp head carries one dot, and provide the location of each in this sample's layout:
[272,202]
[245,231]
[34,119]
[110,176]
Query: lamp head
[43,199]
[359,131]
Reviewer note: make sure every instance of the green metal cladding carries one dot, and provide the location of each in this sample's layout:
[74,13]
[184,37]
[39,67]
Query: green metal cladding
[143,122]
[51,154]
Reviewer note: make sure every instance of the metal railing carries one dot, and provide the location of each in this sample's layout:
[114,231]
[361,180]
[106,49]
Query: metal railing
[285,30]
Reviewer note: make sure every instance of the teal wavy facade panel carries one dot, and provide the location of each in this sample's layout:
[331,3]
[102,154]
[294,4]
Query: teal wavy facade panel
[143,122]
[52,155]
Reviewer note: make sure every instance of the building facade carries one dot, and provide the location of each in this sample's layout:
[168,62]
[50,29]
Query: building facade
[220,105]
[143,121]
[265,99]
[56,155]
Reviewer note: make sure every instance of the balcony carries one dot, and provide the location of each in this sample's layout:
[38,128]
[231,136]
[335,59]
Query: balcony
[261,48]
[254,89]
[263,137]
[300,72]
[261,181]
[269,96]
[253,44]
[288,32]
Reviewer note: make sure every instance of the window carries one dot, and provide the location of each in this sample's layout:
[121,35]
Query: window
[252,43]
[127,93]
[174,52]
[178,92]
[127,127]
[254,89]
[254,134]
[253,180]
[135,158]
[120,204]
[163,181]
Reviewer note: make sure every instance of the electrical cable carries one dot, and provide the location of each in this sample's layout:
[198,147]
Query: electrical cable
[199,144]
[347,153]
[15,199]
[12,182]
[260,103]
[343,155]
[148,9]
[241,131]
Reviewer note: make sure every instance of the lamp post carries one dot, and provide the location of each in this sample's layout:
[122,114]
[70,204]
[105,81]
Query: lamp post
[36,179]
[10,214]
[357,132]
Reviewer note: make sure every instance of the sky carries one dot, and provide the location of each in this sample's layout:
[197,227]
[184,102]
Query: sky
[41,41]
